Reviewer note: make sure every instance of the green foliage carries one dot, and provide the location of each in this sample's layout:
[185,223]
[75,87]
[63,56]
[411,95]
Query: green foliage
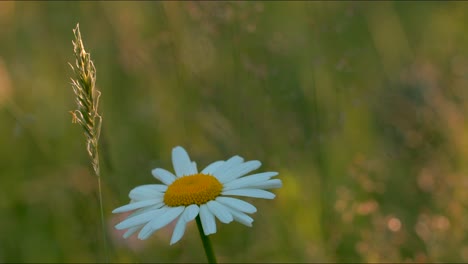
[361,107]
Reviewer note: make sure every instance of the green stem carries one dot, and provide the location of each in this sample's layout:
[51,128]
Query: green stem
[103,225]
[206,242]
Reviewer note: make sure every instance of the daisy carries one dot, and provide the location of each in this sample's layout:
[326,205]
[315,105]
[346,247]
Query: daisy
[190,193]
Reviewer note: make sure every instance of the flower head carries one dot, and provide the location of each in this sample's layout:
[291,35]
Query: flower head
[190,193]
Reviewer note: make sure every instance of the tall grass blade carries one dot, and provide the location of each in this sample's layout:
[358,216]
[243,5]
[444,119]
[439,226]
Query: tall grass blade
[86,114]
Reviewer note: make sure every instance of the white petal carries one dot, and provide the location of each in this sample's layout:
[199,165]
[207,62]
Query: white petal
[151,187]
[270,184]
[162,220]
[181,162]
[237,204]
[140,219]
[188,215]
[256,193]
[146,209]
[194,166]
[136,205]
[239,170]
[167,217]
[179,230]
[227,165]
[220,211]
[212,167]
[207,220]
[241,217]
[131,231]
[191,212]
[249,180]
[163,175]
[147,192]
[146,232]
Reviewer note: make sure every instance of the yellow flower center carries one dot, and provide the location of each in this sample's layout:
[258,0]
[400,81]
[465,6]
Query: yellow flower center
[194,189]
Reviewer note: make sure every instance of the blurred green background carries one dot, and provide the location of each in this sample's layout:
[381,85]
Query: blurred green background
[362,108]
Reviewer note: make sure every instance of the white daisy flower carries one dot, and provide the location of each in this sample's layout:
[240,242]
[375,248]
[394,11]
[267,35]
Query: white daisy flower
[190,193]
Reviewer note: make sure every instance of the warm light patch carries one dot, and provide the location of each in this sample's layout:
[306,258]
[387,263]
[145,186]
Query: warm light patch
[194,189]
[394,224]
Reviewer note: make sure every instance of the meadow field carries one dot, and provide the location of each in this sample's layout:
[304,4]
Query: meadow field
[362,108]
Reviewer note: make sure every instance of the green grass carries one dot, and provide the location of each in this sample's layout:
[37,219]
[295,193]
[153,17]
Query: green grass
[361,107]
